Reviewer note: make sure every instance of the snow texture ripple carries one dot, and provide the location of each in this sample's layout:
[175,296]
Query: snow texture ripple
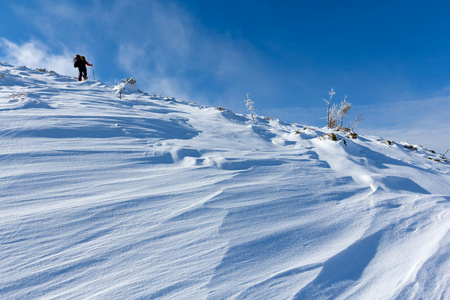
[154,198]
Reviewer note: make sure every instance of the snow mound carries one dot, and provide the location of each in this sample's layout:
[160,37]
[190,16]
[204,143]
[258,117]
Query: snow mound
[126,86]
[147,197]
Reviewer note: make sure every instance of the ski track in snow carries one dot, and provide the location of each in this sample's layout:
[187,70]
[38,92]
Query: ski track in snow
[155,198]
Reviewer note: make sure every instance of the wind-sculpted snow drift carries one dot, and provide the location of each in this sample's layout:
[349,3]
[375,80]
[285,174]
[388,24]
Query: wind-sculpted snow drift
[151,198]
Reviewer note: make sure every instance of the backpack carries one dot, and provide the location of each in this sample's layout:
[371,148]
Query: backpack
[77,61]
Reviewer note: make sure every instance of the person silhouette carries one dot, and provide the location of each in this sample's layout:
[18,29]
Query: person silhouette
[80,62]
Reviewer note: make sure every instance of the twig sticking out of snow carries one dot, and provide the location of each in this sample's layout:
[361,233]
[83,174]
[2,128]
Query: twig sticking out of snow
[443,155]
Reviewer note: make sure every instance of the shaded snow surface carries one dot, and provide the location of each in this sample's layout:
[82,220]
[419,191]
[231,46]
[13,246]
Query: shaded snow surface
[153,198]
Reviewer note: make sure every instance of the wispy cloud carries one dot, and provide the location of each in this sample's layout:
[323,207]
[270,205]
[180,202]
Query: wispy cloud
[173,53]
[160,43]
[35,54]
[50,18]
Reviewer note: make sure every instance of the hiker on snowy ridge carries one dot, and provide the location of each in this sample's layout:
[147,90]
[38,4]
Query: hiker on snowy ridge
[80,63]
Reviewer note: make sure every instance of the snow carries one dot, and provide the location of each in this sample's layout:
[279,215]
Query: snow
[157,198]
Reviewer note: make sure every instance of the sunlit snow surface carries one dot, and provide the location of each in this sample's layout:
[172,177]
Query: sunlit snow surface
[154,198]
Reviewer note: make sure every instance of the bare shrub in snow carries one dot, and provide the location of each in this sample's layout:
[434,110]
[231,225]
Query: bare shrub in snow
[43,70]
[332,116]
[335,112]
[355,122]
[352,135]
[250,105]
[126,84]
[343,110]
[333,137]
[19,96]
[330,136]
[130,80]
[410,147]
[328,102]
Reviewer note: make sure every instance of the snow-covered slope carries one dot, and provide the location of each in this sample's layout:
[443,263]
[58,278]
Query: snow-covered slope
[152,198]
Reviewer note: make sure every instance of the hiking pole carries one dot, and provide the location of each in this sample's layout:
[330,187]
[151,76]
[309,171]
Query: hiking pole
[93,73]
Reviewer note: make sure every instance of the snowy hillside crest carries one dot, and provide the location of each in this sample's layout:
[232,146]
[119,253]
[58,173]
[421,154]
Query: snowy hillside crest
[108,192]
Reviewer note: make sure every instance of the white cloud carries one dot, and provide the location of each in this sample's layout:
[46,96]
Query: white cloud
[168,50]
[35,54]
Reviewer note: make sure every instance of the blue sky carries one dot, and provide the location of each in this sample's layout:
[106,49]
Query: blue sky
[392,58]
